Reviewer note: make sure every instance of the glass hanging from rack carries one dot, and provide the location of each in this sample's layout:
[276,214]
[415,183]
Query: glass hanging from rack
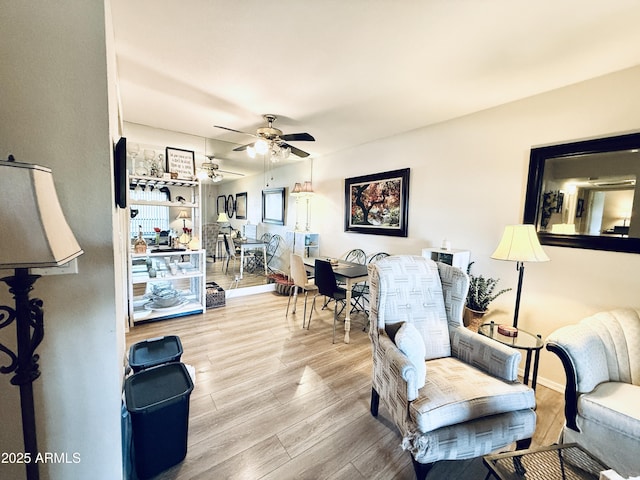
[149,216]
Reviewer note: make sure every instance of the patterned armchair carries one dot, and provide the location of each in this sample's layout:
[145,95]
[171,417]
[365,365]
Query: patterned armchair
[452,393]
[601,358]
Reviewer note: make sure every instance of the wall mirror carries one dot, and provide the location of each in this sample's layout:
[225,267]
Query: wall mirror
[584,194]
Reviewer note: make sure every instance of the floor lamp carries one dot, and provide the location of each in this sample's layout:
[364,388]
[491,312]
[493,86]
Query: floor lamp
[35,234]
[519,244]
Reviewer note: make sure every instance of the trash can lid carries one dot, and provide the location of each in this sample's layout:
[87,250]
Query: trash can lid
[154,351]
[157,385]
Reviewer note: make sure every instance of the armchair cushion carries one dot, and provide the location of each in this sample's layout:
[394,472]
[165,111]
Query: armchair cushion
[456,393]
[615,406]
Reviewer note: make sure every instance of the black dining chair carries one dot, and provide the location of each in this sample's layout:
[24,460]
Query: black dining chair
[325,280]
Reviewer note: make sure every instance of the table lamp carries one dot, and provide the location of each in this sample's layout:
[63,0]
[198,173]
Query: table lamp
[519,244]
[183,215]
[35,234]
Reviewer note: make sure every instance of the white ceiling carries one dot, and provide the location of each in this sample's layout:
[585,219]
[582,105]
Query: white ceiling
[353,71]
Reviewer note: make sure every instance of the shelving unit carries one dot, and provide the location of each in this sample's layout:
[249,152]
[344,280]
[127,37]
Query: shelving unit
[305,244]
[163,267]
[453,257]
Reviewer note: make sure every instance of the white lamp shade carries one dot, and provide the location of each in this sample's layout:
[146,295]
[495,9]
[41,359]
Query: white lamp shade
[35,232]
[520,243]
[222,217]
[183,215]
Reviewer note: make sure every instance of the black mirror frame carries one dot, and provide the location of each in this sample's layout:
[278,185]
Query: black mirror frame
[534,189]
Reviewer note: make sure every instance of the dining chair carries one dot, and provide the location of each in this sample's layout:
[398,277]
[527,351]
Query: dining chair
[325,280]
[356,255]
[301,281]
[210,232]
[231,252]
[363,287]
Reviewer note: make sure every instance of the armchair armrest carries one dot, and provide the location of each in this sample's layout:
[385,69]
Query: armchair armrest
[582,355]
[570,390]
[484,353]
[397,368]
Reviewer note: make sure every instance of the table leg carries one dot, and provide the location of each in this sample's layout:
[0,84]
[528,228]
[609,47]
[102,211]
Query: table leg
[527,367]
[347,316]
[536,360]
[264,257]
[241,261]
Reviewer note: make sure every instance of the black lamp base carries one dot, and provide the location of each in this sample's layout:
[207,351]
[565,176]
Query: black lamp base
[30,332]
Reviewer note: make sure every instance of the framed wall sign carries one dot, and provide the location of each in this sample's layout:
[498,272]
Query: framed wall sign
[273,206]
[378,204]
[181,162]
[241,206]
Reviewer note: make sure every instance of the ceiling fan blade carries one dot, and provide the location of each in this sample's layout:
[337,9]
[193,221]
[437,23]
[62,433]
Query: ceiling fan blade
[295,151]
[297,137]
[233,130]
[231,173]
[242,148]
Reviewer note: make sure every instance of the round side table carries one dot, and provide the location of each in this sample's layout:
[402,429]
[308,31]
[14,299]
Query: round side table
[529,342]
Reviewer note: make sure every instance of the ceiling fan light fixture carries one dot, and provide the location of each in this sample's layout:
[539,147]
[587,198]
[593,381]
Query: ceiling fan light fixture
[251,152]
[261,147]
[284,152]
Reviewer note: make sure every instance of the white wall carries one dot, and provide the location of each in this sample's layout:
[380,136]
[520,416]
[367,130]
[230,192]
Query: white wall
[468,180]
[56,112]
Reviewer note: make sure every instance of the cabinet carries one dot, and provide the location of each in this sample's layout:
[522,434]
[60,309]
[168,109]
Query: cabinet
[305,244]
[166,282]
[453,257]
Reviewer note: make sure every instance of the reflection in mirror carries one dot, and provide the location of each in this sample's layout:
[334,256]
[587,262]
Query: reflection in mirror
[582,194]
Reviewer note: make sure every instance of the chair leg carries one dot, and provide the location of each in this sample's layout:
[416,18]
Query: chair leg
[375,402]
[313,305]
[335,319]
[421,469]
[294,306]
[304,312]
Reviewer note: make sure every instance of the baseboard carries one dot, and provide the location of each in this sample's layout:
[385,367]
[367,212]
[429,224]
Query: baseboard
[558,387]
[244,291]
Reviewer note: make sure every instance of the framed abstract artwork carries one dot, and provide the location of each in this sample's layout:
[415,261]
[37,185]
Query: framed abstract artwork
[378,204]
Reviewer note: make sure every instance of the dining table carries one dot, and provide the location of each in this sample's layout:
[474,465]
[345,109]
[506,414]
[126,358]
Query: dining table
[348,272]
[251,244]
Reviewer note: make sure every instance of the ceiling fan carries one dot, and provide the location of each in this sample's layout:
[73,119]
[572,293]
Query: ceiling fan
[212,170]
[272,140]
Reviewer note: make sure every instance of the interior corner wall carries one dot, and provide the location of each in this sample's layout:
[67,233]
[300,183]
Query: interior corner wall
[468,180]
[55,112]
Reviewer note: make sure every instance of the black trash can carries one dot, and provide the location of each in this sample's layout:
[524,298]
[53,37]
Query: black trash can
[158,402]
[155,351]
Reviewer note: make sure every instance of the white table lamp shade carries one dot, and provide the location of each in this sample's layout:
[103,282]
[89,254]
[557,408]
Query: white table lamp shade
[222,217]
[520,243]
[35,232]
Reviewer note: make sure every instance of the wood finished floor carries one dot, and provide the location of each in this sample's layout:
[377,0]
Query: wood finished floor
[274,401]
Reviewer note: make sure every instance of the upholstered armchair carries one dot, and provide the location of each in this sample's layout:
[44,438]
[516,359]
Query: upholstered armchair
[452,393]
[601,358]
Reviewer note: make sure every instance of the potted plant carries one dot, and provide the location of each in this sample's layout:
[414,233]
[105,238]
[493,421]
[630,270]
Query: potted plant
[482,291]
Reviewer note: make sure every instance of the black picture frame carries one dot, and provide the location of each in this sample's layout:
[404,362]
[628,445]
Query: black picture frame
[231,206]
[273,205]
[533,208]
[221,204]
[120,183]
[181,163]
[387,213]
[241,205]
